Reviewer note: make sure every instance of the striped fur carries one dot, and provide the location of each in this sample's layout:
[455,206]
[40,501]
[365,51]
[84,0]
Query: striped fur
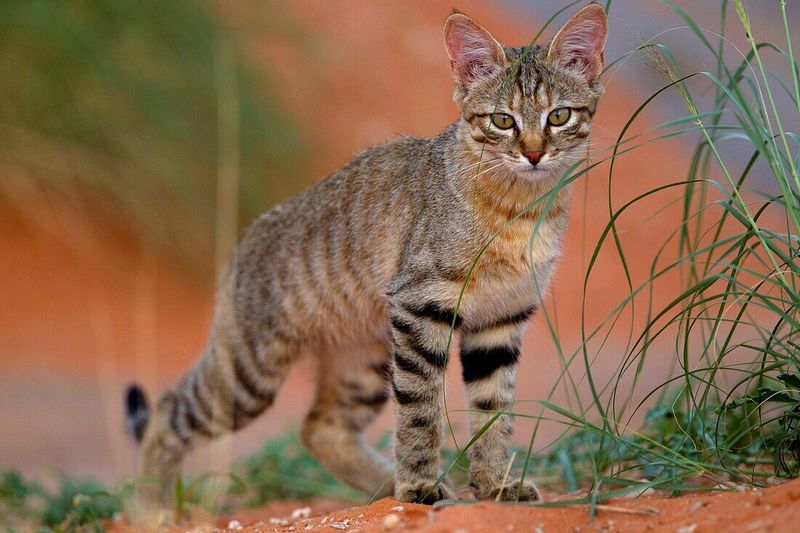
[365,269]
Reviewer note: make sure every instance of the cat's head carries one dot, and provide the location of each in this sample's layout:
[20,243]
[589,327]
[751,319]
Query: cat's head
[529,108]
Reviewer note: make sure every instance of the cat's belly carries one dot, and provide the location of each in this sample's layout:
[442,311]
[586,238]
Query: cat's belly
[358,318]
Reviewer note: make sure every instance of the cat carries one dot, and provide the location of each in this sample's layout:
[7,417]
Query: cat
[366,270]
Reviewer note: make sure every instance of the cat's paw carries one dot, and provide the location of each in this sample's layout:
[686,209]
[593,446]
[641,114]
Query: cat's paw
[147,509]
[426,493]
[510,492]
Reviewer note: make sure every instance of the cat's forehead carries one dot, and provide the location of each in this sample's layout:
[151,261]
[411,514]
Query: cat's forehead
[534,74]
[529,60]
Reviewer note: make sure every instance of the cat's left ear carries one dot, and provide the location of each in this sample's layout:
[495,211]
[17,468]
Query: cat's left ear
[474,54]
[579,44]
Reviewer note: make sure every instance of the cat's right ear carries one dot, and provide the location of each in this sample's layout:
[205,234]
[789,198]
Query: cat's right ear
[474,54]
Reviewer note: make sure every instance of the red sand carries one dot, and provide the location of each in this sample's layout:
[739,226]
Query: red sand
[774,509]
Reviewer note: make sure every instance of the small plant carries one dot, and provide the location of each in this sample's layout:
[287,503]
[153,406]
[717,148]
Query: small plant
[776,408]
[77,505]
[284,469]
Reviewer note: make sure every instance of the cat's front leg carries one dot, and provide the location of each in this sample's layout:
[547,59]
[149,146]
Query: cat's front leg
[420,333]
[489,364]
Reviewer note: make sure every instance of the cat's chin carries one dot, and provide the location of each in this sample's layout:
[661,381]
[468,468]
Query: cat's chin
[533,173]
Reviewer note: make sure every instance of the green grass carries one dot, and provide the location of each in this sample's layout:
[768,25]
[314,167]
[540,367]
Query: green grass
[282,469]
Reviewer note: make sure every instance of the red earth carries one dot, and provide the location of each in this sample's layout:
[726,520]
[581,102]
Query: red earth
[774,509]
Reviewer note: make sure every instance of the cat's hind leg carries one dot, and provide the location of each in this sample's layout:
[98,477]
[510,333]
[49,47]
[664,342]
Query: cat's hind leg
[353,388]
[234,381]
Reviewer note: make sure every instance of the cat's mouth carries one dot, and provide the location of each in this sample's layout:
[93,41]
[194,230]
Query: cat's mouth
[524,167]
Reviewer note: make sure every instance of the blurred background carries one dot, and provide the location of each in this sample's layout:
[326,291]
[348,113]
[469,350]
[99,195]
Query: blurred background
[138,138]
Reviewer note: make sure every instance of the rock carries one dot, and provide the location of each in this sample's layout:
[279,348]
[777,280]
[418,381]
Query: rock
[391,521]
[302,512]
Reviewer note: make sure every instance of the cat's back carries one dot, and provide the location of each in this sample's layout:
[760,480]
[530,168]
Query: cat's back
[326,255]
[374,196]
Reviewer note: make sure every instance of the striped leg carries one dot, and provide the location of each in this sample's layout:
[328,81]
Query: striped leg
[489,360]
[349,397]
[420,332]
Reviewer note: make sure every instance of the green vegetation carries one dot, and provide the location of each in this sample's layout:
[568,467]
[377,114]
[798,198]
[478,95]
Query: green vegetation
[74,506]
[282,469]
[138,110]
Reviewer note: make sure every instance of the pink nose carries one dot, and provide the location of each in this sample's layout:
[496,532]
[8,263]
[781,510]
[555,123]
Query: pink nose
[534,156]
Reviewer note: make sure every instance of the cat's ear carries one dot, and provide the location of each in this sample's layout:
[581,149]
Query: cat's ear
[474,54]
[579,44]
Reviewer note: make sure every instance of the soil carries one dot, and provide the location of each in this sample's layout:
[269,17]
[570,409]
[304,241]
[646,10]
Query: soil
[773,509]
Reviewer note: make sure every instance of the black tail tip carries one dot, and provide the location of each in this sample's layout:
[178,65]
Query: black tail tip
[137,411]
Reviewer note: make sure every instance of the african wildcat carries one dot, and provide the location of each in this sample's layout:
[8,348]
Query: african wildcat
[365,269]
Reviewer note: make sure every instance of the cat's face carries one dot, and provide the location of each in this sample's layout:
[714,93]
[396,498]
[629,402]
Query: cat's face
[529,110]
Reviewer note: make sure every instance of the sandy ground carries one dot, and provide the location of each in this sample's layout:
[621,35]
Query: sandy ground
[774,509]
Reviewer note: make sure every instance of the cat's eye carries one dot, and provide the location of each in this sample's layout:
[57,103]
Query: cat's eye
[559,117]
[502,120]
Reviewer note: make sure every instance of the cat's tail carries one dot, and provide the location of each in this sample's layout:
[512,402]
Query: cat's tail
[137,411]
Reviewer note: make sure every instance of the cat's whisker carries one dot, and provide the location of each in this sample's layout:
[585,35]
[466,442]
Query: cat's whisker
[476,175]
[481,163]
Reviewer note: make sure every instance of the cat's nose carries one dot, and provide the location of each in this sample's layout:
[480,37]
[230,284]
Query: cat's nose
[534,156]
